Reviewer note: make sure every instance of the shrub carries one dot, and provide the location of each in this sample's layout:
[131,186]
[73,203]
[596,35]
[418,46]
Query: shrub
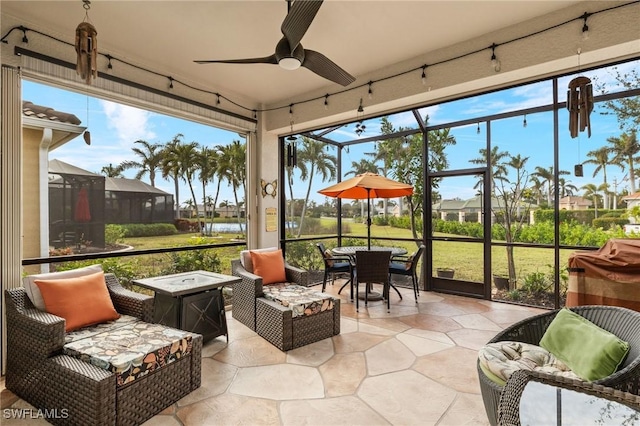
[608,222]
[149,229]
[305,255]
[536,283]
[186,261]
[113,234]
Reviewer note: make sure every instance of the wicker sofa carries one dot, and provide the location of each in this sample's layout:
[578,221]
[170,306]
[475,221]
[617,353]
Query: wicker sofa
[622,322]
[77,392]
[272,320]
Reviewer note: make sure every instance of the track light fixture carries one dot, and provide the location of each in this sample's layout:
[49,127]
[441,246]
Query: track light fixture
[170,82]
[478,129]
[524,122]
[255,114]
[495,63]
[585,27]
[326,101]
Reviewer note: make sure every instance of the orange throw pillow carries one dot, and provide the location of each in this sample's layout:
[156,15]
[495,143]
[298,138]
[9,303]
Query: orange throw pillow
[269,265]
[81,301]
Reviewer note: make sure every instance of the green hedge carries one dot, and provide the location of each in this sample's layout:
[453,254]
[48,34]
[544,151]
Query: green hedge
[571,233]
[148,229]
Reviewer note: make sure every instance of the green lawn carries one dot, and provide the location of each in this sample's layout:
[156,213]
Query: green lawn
[465,258]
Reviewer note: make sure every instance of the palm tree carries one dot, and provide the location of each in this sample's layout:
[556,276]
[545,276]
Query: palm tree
[591,191]
[232,160]
[207,163]
[190,205]
[318,162]
[113,172]
[626,149]
[600,157]
[547,177]
[536,188]
[150,159]
[496,157]
[187,156]
[170,167]
[566,187]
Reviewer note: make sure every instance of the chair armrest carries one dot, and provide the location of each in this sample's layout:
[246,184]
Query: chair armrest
[38,333]
[340,259]
[129,302]
[296,275]
[529,330]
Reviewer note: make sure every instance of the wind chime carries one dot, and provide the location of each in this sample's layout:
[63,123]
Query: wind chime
[580,103]
[87,47]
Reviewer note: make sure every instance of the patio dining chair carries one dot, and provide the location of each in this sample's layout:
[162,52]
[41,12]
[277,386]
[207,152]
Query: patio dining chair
[372,267]
[335,265]
[407,266]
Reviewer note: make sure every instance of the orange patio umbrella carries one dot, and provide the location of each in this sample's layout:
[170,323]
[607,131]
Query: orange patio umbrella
[368,185]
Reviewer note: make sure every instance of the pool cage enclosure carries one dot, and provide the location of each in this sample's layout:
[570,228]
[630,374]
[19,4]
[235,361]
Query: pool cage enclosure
[335,138]
[76,206]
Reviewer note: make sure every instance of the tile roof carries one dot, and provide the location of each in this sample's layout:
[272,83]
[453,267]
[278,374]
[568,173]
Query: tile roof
[29,109]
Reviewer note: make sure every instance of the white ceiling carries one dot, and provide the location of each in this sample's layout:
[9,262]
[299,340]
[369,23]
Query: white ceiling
[359,35]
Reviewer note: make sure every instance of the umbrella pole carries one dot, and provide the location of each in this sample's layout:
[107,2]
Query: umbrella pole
[368,220]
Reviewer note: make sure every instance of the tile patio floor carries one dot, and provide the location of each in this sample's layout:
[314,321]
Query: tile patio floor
[413,366]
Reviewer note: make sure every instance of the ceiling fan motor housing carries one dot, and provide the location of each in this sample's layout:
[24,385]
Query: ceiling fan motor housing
[286,58]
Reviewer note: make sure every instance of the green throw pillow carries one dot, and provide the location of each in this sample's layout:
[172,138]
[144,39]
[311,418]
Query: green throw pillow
[591,352]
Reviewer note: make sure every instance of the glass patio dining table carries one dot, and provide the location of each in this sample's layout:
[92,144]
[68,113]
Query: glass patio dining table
[351,252]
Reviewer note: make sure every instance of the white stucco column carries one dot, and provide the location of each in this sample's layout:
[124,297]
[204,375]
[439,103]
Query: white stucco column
[443,215]
[461,216]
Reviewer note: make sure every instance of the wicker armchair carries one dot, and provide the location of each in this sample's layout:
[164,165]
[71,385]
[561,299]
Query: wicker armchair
[81,393]
[622,322]
[273,321]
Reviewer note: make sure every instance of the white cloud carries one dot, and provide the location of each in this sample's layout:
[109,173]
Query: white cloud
[129,123]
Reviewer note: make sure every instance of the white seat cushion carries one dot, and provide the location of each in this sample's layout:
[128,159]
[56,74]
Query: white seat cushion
[245,257]
[499,360]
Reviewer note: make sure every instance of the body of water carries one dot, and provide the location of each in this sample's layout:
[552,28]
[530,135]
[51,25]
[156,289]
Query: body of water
[227,227]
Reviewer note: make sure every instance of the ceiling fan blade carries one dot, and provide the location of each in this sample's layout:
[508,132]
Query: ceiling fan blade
[297,21]
[266,60]
[324,67]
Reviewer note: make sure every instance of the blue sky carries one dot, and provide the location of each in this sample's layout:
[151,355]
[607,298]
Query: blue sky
[114,127]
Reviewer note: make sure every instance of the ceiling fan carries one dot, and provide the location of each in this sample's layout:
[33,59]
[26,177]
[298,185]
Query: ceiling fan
[290,54]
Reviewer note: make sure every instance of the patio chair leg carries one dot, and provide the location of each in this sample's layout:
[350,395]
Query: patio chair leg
[396,289]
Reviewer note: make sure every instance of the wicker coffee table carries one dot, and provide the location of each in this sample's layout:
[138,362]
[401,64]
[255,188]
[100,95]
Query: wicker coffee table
[532,398]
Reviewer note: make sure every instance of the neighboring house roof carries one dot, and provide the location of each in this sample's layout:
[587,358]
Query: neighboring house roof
[130,185]
[449,205]
[61,168]
[632,197]
[575,201]
[110,184]
[64,126]
[29,109]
